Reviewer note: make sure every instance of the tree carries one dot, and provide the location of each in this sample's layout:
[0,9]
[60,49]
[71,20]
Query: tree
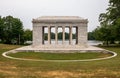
[91,36]
[60,35]
[109,23]
[18,31]
[103,33]
[1,28]
[66,35]
[12,30]
[117,30]
[27,35]
[45,36]
[52,35]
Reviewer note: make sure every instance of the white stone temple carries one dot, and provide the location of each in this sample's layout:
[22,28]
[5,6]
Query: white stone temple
[56,22]
[39,25]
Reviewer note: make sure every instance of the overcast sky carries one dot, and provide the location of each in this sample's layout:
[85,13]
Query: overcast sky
[26,10]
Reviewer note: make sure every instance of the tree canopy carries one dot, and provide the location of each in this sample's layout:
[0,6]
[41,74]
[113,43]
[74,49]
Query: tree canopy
[11,30]
[109,29]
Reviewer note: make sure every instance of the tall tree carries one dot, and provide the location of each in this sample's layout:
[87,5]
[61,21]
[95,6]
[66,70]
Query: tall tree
[7,29]
[1,28]
[12,30]
[110,22]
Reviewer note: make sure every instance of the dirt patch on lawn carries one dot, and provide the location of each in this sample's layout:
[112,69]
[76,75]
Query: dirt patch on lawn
[63,74]
[60,74]
[66,74]
[13,73]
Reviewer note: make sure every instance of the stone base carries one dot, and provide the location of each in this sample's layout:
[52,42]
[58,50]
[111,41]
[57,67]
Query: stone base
[59,48]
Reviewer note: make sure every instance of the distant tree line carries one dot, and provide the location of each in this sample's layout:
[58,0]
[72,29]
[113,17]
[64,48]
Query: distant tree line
[91,36]
[59,35]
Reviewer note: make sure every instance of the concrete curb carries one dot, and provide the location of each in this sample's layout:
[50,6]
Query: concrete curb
[13,51]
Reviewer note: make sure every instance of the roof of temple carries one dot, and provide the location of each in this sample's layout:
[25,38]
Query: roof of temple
[60,19]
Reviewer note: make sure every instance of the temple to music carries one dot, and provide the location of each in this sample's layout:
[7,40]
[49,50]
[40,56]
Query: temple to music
[70,22]
[39,29]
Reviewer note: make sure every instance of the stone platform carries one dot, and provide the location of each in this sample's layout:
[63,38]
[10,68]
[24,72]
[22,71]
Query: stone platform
[59,49]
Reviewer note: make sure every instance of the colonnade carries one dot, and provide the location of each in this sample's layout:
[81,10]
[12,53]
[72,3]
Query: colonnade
[63,34]
[60,21]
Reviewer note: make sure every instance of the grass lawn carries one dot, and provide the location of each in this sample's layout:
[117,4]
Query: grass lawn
[58,56]
[9,68]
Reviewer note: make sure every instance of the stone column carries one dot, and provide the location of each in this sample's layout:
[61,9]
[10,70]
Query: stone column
[37,35]
[49,41]
[82,34]
[70,32]
[63,36]
[56,35]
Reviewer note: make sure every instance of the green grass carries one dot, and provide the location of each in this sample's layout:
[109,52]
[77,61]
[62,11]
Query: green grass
[9,68]
[58,56]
